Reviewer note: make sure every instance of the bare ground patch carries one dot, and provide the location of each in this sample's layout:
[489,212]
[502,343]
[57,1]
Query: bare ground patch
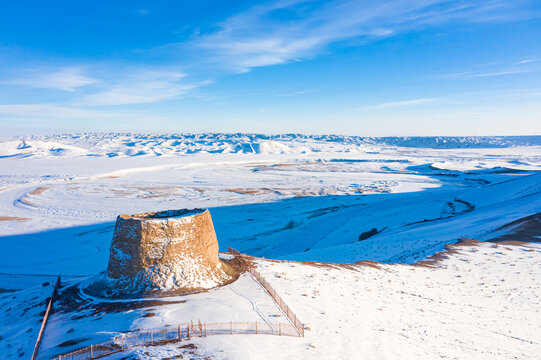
[38,191]
[526,229]
[13,218]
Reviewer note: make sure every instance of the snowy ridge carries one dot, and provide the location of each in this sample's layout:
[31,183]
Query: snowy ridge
[129,145]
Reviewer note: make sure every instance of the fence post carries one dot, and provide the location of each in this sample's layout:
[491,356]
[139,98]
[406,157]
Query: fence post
[256,327]
[122,344]
[91,352]
[179,334]
[151,336]
[205,329]
[280,326]
[188,331]
[48,311]
[231,327]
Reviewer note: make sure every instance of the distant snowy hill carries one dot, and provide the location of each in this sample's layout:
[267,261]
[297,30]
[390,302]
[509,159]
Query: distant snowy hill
[113,145]
[456,142]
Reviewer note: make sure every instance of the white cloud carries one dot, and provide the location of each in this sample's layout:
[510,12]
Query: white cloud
[482,74]
[116,85]
[54,114]
[48,111]
[496,69]
[68,79]
[145,87]
[526,61]
[292,30]
[296,93]
[396,104]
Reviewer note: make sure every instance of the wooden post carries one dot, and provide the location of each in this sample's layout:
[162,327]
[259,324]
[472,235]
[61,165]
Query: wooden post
[91,352]
[231,327]
[256,327]
[151,336]
[179,334]
[188,331]
[205,329]
[200,328]
[45,319]
[122,343]
[280,325]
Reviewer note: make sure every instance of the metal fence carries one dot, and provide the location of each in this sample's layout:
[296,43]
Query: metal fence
[279,301]
[176,334]
[267,286]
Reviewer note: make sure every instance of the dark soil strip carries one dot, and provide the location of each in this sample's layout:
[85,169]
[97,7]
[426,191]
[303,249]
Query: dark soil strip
[526,229]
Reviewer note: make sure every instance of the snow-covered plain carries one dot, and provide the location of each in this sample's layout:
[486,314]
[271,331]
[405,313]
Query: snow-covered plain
[291,197]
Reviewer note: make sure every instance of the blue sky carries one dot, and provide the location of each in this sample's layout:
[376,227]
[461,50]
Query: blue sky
[373,68]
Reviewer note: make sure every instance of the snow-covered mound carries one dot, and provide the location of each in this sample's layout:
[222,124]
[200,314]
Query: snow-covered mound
[131,145]
[45,148]
[263,147]
[458,142]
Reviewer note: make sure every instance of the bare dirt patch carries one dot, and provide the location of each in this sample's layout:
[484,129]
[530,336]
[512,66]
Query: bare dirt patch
[247,191]
[13,218]
[38,191]
[270,166]
[247,261]
[432,261]
[296,192]
[527,229]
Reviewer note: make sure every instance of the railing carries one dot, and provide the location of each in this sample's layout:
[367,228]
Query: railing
[45,319]
[176,334]
[266,285]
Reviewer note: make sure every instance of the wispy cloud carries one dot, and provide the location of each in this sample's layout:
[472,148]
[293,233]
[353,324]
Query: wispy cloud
[45,110]
[495,70]
[67,79]
[526,61]
[297,93]
[53,114]
[144,87]
[397,104]
[482,74]
[292,30]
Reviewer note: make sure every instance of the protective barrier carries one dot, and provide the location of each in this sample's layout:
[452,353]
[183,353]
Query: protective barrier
[177,334]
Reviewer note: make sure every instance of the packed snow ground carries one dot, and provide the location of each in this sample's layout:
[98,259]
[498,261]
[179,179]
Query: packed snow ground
[480,301]
[293,197]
